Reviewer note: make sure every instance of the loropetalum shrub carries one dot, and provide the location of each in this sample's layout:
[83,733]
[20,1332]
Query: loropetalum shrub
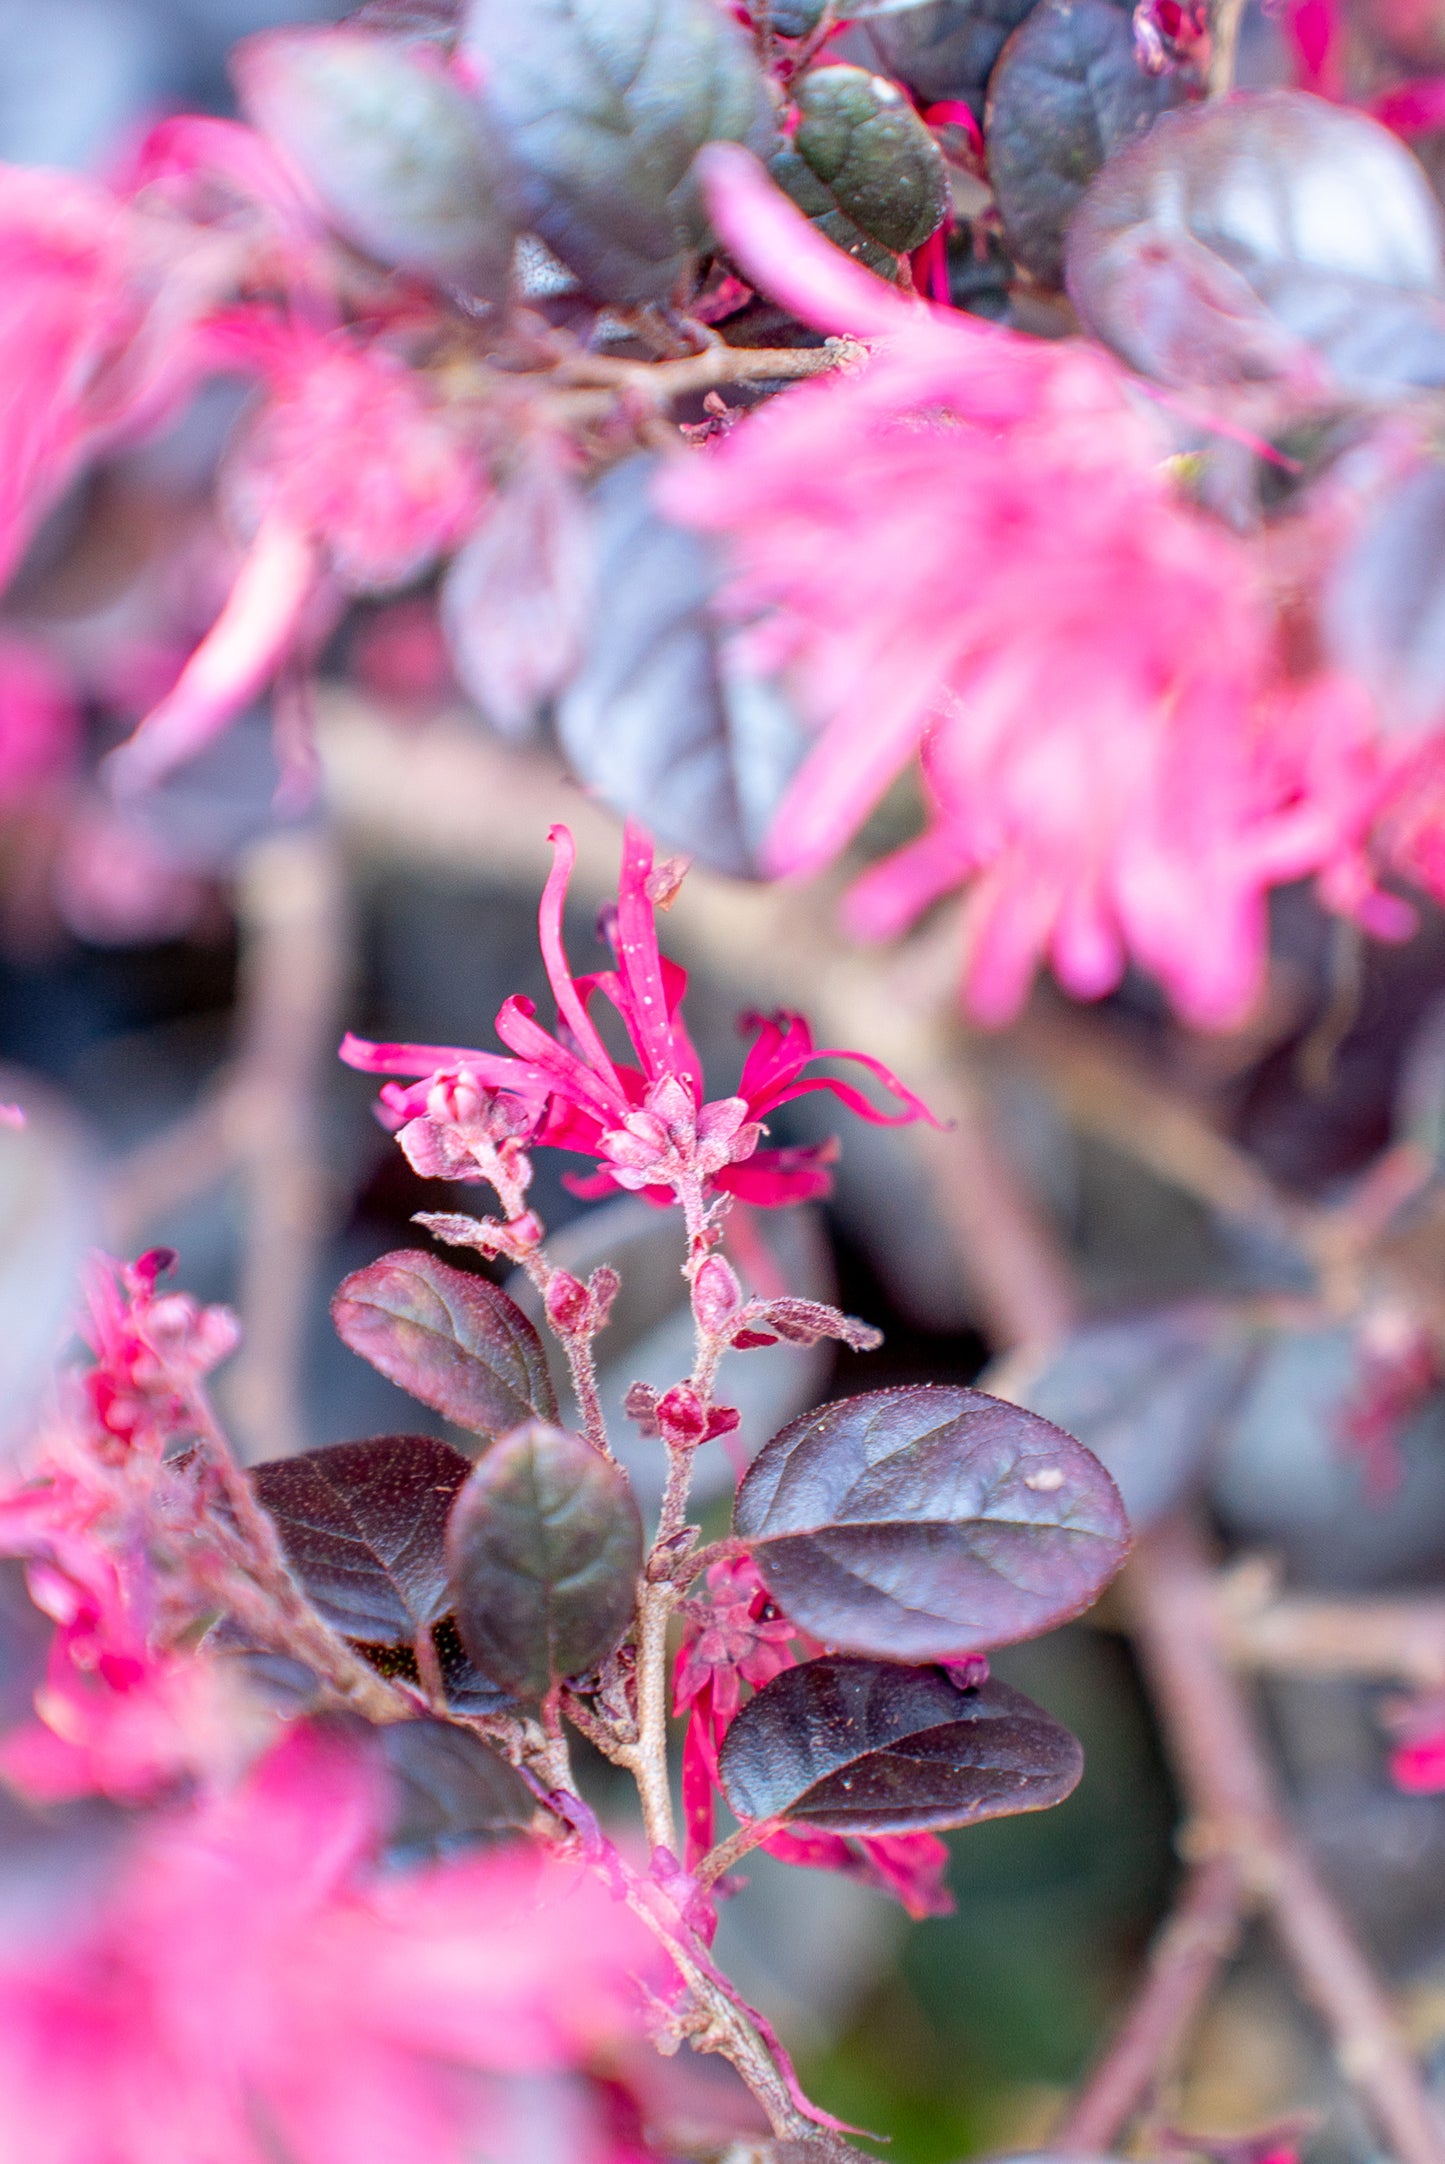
[1147,610]
[305,1868]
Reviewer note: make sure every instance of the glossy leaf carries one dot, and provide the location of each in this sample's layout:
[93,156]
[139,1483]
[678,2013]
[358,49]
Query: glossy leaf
[944,49]
[407,166]
[1149,1394]
[661,720]
[453,1340]
[605,104]
[1266,235]
[450,1788]
[544,1548]
[864,143]
[923,1524]
[1067,91]
[466,1689]
[865,1747]
[1383,615]
[363,1526]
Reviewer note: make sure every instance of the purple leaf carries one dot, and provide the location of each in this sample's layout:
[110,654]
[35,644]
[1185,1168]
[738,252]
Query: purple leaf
[363,1526]
[943,49]
[450,1789]
[1148,1394]
[453,1340]
[406,165]
[605,104]
[865,1747]
[1067,91]
[1267,235]
[659,721]
[544,1548]
[923,1524]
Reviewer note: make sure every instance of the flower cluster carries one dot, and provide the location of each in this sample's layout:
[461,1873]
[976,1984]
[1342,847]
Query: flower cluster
[651,1127]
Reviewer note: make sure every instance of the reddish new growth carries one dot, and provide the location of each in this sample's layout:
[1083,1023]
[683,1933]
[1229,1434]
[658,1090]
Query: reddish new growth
[735,1635]
[651,1127]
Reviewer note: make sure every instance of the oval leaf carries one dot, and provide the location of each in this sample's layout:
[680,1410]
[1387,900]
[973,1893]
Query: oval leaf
[1068,90]
[1269,234]
[865,1747]
[450,1789]
[406,165]
[880,166]
[364,1527]
[544,1546]
[454,1341]
[605,104]
[923,1524]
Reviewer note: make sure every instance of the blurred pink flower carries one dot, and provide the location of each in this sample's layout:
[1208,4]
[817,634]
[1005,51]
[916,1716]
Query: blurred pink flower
[39,718]
[734,1634]
[348,479]
[651,1127]
[998,575]
[254,1985]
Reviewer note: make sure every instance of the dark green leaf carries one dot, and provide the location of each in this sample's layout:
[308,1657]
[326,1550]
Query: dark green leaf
[456,1342]
[865,1747]
[466,1689]
[407,166]
[363,1526]
[605,104]
[450,1788]
[867,147]
[1067,91]
[926,1523]
[545,1546]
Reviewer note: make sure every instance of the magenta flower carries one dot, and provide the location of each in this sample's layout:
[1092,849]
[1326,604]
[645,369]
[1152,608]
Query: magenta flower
[348,481]
[254,1984]
[734,1635]
[651,1127]
[999,577]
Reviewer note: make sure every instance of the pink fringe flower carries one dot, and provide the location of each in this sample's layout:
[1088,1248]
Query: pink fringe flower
[997,574]
[348,479]
[254,1985]
[651,1127]
[734,1635]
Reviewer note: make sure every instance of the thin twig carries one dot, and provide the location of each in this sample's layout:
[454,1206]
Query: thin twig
[1195,1942]
[293,913]
[1225,1775]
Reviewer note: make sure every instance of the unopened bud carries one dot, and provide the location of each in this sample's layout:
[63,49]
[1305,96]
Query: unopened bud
[969,1673]
[569,1309]
[716,1295]
[640,1405]
[681,1416]
[603,1285]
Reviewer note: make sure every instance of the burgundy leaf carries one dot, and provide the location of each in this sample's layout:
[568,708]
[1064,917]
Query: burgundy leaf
[865,1747]
[923,1524]
[450,1788]
[1266,235]
[544,1546]
[1068,89]
[453,1340]
[363,1526]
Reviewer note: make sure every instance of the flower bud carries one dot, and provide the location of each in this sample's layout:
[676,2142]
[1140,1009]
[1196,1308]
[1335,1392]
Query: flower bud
[681,1416]
[716,1295]
[569,1308]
